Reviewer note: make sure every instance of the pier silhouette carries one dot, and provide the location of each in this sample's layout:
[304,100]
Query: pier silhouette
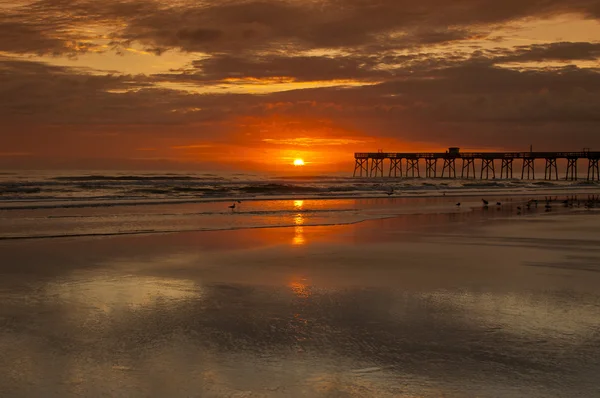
[404,164]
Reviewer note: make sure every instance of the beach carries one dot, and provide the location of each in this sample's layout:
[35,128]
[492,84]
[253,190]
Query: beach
[459,302]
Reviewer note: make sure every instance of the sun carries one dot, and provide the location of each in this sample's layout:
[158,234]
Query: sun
[298,162]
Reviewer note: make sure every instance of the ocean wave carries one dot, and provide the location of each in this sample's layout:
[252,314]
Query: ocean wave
[279,189]
[20,189]
[213,213]
[172,177]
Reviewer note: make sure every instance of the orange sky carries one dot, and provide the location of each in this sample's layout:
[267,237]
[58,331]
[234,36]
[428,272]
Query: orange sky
[247,85]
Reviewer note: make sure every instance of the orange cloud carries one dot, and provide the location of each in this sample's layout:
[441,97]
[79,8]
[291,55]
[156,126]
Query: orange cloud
[305,141]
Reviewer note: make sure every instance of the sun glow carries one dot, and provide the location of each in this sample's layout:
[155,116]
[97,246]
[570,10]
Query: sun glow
[298,162]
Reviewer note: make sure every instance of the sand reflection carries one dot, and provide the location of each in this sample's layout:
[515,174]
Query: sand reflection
[109,293]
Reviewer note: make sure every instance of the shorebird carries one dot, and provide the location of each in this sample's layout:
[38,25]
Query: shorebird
[458,204]
[232,207]
[485,202]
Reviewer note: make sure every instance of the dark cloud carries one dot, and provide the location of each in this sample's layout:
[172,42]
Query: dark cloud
[234,26]
[330,24]
[297,68]
[19,38]
[561,51]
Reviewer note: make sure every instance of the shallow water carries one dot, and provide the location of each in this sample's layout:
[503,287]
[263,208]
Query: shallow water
[202,216]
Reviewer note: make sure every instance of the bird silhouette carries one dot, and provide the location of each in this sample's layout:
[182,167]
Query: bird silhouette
[232,207]
[458,204]
[485,202]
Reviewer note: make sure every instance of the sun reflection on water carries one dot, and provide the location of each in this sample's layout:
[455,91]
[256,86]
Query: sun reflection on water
[298,229]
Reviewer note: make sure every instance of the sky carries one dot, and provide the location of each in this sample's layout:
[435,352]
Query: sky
[253,85]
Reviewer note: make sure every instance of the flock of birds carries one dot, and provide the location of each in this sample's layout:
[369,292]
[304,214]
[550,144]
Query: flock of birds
[590,203]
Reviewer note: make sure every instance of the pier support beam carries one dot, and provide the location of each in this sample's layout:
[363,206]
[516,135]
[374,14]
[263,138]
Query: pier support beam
[360,165]
[529,164]
[593,170]
[507,168]
[431,168]
[376,167]
[396,167]
[550,167]
[412,165]
[450,165]
[468,165]
[487,165]
[571,169]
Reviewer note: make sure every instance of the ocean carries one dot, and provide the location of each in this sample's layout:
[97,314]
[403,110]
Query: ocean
[74,203]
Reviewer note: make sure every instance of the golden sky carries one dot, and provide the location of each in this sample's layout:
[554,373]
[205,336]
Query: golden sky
[253,85]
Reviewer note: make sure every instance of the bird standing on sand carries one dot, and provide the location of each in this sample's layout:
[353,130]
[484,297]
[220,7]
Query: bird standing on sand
[232,207]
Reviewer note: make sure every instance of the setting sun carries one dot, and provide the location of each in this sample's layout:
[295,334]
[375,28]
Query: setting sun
[298,162]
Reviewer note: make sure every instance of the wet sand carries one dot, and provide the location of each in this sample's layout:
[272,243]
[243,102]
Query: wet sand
[453,305]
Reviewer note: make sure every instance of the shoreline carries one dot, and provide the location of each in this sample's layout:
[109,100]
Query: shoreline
[85,203]
[370,219]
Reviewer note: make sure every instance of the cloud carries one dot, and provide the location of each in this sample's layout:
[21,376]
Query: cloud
[297,68]
[193,146]
[304,141]
[238,26]
[15,154]
[559,51]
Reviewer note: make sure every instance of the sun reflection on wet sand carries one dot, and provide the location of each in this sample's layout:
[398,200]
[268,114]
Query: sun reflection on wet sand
[300,288]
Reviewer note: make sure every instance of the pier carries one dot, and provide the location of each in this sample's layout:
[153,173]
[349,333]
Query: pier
[456,164]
